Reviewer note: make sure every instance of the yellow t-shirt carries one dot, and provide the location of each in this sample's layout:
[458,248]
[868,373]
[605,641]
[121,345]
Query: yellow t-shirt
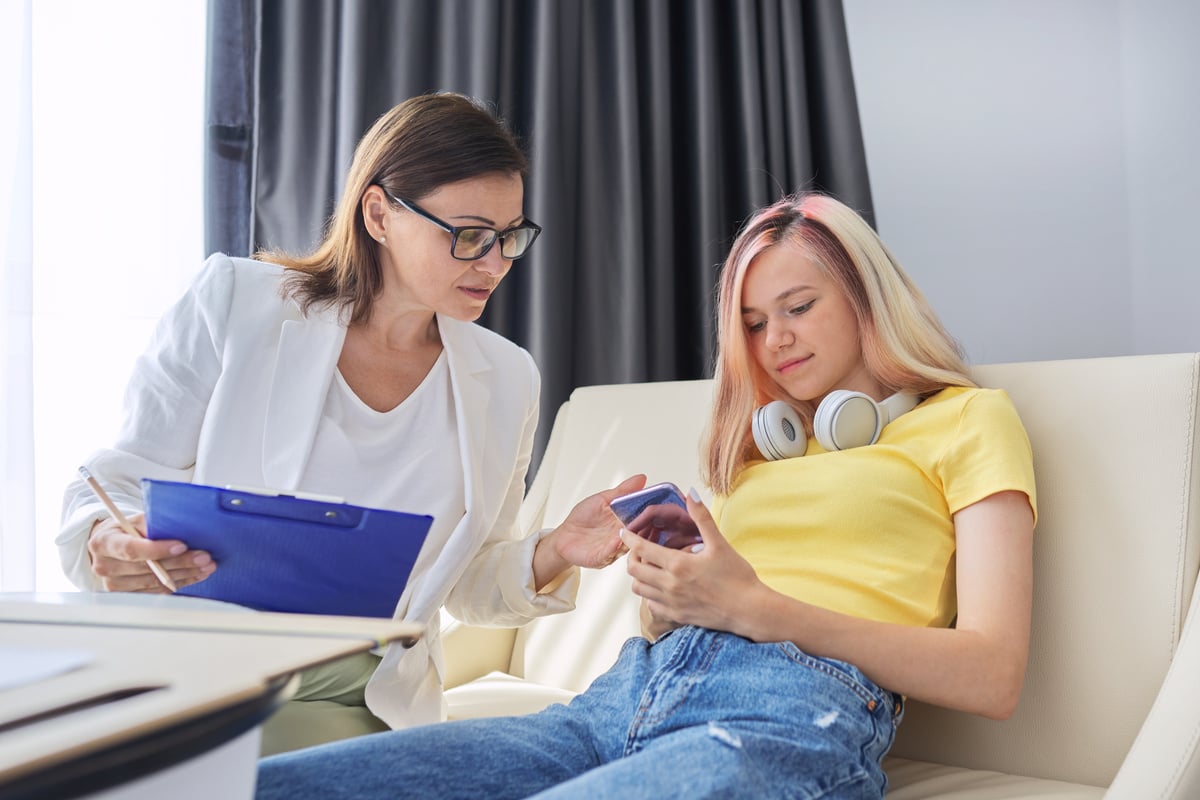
[869,531]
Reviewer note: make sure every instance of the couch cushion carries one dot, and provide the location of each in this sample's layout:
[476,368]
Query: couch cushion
[919,780]
[570,650]
[499,694]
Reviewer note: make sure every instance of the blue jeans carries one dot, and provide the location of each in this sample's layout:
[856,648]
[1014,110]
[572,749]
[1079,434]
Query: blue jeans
[699,713]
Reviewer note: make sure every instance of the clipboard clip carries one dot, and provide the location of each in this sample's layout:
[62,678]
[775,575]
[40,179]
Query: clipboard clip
[300,506]
[320,498]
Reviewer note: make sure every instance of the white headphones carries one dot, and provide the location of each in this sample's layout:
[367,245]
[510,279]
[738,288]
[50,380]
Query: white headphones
[844,419]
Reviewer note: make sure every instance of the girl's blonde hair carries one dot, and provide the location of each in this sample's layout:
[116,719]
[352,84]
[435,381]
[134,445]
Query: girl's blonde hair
[904,345]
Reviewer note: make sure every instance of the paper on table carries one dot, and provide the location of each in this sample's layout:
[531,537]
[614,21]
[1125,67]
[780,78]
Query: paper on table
[23,665]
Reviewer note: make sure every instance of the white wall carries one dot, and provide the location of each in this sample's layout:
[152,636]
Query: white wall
[1034,167]
[1161,88]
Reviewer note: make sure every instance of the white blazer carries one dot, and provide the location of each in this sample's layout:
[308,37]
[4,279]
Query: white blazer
[230,391]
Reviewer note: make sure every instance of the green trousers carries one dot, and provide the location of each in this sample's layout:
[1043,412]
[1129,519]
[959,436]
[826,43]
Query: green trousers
[329,705]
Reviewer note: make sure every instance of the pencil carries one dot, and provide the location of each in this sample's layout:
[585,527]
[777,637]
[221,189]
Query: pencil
[126,526]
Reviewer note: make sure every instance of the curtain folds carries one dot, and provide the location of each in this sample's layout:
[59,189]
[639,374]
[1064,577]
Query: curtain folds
[654,129]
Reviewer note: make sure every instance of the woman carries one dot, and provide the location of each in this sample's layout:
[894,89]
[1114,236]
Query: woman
[779,655]
[355,371]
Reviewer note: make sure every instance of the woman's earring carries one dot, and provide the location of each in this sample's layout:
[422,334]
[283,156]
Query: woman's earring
[382,239]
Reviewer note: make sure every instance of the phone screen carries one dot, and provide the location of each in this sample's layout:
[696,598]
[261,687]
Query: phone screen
[658,513]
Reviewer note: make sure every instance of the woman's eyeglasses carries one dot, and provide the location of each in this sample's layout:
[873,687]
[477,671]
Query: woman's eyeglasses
[471,242]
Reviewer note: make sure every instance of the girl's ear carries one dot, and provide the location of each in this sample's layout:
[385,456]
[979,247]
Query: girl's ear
[375,208]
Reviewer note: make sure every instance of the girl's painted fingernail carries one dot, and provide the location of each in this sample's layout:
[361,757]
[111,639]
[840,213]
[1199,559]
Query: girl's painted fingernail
[692,493]
[696,548]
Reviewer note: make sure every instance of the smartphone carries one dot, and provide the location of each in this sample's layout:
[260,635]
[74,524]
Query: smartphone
[658,513]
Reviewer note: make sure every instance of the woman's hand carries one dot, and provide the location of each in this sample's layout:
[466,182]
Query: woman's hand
[119,560]
[588,537]
[706,586]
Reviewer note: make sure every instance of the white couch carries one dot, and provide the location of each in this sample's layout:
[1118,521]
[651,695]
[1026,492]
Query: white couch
[1111,704]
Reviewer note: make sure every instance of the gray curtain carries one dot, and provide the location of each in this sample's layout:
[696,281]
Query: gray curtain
[654,128]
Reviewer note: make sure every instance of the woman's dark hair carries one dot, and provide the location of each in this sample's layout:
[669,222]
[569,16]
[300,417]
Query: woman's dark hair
[415,148]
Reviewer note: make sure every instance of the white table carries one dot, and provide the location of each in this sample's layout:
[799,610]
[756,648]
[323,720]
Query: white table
[158,682]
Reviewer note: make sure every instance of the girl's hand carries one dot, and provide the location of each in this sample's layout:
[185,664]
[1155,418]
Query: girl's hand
[652,626]
[705,585]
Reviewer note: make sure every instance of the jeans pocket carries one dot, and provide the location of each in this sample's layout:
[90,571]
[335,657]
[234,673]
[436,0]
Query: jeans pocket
[850,676]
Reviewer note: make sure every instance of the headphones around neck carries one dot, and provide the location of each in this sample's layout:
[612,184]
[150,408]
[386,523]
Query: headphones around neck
[844,419]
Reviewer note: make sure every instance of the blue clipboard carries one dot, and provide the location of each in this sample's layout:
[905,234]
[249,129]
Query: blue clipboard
[283,553]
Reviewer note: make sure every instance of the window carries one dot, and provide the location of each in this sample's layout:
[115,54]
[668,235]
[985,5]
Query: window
[103,230]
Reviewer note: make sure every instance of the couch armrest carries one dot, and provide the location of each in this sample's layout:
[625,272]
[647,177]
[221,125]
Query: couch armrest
[472,651]
[1165,758]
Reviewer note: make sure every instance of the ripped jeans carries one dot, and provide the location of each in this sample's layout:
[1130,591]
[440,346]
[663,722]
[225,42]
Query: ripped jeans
[699,713]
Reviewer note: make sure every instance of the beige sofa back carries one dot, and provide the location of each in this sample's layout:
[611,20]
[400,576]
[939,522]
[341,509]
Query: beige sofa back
[1117,551]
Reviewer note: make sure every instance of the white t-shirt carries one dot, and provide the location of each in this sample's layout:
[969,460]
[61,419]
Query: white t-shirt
[404,459]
